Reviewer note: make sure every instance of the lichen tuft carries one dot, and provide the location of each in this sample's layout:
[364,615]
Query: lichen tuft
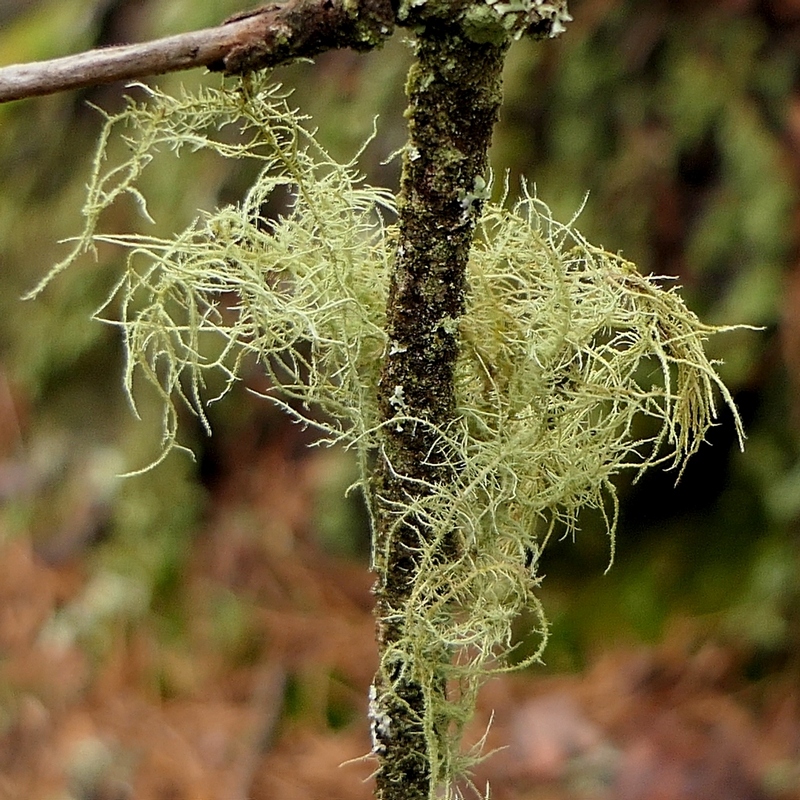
[573,367]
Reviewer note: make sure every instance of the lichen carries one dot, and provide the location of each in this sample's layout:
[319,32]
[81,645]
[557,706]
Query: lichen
[491,21]
[572,368]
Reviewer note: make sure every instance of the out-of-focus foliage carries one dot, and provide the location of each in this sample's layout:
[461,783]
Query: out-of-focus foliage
[671,115]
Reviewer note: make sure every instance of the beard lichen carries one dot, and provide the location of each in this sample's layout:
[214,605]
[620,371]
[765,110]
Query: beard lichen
[301,293]
[573,367]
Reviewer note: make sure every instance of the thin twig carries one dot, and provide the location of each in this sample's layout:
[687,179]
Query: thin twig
[184,51]
[264,37]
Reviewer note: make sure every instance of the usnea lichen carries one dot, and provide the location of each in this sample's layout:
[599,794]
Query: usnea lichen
[572,368]
[493,21]
[235,284]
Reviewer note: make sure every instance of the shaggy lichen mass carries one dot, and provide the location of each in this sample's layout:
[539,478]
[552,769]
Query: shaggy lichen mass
[572,366]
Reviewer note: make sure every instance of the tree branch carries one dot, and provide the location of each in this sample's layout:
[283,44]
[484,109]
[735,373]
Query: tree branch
[263,37]
[454,98]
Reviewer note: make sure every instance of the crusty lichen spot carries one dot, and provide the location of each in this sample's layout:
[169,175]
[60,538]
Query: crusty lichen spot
[491,21]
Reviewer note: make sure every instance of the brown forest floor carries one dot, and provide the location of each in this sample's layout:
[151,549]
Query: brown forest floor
[150,718]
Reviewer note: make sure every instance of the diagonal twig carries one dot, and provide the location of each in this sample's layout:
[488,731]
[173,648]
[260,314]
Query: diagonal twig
[264,37]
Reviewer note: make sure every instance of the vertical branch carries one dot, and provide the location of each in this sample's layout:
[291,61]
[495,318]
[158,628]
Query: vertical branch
[454,95]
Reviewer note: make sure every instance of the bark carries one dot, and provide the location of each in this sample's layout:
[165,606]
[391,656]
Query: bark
[454,96]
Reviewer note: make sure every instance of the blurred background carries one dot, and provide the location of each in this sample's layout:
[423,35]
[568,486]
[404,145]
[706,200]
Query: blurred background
[204,630]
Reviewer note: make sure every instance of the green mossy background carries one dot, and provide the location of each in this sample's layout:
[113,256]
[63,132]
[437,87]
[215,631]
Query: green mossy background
[681,120]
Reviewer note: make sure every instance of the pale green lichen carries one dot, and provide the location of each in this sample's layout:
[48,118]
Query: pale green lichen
[492,21]
[573,367]
[234,284]
[538,17]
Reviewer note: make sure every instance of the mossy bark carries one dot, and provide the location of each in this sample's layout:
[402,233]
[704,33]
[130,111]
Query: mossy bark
[454,96]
